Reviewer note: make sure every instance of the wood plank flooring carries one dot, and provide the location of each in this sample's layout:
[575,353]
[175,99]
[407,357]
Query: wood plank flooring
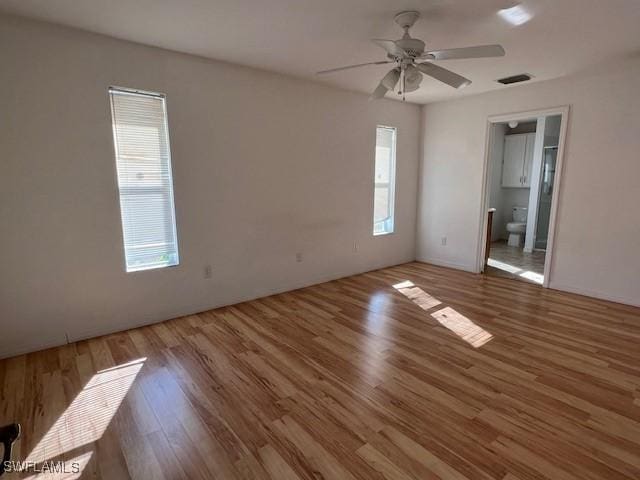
[446,375]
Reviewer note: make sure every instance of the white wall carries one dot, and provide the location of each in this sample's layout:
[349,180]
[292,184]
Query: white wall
[264,166]
[597,244]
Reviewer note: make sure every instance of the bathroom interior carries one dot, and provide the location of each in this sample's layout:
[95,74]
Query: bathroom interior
[522,161]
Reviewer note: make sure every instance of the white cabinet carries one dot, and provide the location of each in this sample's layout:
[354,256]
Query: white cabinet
[528,160]
[518,160]
[513,160]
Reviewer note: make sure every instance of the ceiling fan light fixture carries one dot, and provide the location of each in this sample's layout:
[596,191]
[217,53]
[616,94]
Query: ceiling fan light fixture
[413,84]
[412,74]
[407,51]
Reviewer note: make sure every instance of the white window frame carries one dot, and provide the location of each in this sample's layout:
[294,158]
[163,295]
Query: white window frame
[388,224]
[162,96]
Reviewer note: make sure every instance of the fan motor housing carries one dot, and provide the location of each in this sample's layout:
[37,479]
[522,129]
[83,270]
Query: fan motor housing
[413,46]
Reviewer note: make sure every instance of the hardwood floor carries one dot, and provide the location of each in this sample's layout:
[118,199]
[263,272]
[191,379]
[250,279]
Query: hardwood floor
[446,375]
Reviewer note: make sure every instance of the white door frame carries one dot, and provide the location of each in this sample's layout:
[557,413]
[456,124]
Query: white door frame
[562,110]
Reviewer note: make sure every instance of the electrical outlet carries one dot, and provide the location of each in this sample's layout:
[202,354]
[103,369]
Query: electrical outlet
[355,246]
[444,240]
[298,257]
[208,271]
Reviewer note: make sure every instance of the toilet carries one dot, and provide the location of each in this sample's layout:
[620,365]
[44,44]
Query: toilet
[517,227]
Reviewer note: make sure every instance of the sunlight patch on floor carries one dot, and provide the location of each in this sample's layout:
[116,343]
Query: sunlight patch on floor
[89,415]
[417,295]
[505,267]
[468,331]
[446,316]
[533,276]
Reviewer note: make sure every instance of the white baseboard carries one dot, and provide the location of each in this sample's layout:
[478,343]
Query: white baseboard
[594,294]
[21,348]
[554,285]
[445,263]
[13,350]
[44,343]
[260,293]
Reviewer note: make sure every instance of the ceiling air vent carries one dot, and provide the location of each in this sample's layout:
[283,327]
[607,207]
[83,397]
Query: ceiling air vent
[523,77]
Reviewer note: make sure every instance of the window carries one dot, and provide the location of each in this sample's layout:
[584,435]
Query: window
[384,180]
[143,160]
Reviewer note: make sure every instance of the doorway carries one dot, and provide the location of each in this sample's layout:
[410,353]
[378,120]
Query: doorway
[522,176]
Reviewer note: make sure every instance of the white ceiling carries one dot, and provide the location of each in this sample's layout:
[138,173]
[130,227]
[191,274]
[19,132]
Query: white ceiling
[299,37]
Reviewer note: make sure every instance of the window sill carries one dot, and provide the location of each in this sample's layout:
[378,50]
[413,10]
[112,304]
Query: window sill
[383,234]
[149,268]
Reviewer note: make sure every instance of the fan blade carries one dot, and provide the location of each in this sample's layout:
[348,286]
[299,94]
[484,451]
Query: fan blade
[481,51]
[379,92]
[444,75]
[390,80]
[352,66]
[387,83]
[390,47]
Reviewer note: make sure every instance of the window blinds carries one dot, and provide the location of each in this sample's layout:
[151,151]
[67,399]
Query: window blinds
[143,160]
[384,180]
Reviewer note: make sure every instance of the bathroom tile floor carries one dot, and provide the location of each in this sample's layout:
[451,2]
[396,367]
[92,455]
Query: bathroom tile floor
[513,262]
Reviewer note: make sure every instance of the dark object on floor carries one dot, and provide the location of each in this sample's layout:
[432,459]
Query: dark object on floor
[8,435]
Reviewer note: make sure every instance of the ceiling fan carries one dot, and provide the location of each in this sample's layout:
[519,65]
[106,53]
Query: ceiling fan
[407,52]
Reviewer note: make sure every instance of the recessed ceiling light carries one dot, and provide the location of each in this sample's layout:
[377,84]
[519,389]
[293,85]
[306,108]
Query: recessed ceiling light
[516,15]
